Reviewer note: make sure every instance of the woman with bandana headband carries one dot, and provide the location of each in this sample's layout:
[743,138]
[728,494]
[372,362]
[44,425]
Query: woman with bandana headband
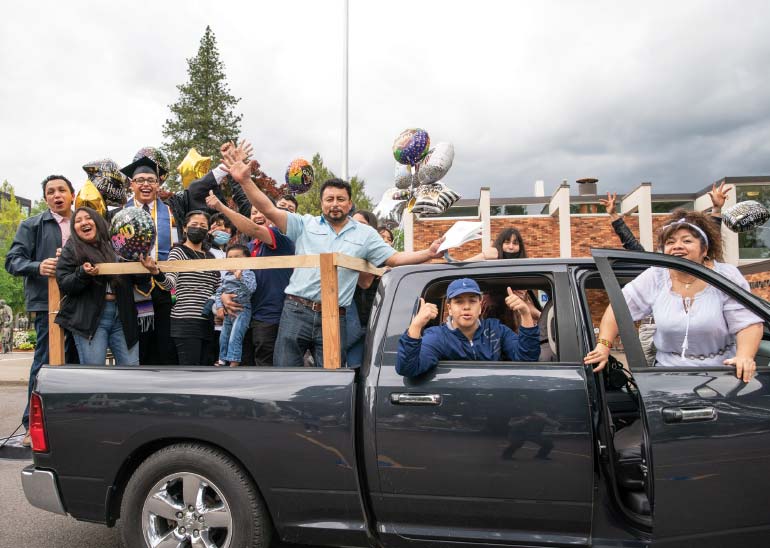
[191,329]
[697,324]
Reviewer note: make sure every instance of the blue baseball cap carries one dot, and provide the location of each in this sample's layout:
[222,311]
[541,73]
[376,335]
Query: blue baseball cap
[463,285]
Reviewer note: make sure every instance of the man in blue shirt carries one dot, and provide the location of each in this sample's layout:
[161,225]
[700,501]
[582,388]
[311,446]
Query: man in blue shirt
[464,336]
[334,231]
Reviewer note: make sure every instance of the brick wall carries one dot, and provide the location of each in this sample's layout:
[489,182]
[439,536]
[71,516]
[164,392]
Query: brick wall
[541,236]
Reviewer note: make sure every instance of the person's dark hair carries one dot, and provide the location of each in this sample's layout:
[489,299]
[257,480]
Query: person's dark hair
[503,237]
[291,198]
[57,177]
[382,229]
[245,249]
[98,251]
[670,225]
[337,183]
[195,212]
[371,218]
[216,217]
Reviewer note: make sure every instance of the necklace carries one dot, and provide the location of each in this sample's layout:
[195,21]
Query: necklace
[684,283]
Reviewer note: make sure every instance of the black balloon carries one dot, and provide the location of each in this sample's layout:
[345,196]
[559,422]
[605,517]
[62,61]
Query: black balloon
[745,216]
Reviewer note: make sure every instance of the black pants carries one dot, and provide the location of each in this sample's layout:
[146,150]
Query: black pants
[155,345]
[192,350]
[263,337]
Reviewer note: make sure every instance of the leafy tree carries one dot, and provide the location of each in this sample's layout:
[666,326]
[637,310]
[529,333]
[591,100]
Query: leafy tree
[310,202]
[11,287]
[39,206]
[203,115]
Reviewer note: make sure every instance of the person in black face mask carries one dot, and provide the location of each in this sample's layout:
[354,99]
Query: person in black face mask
[508,245]
[191,330]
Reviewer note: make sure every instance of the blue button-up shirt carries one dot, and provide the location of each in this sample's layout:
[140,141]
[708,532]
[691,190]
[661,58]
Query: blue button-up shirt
[313,235]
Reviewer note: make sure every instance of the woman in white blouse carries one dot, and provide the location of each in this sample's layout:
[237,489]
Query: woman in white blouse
[697,324]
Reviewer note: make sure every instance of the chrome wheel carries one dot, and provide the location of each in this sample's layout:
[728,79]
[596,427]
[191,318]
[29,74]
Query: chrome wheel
[186,510]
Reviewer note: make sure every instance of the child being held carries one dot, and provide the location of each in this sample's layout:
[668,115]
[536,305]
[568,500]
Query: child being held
[242,283]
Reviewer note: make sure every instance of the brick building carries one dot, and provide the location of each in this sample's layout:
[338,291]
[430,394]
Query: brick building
[568,225]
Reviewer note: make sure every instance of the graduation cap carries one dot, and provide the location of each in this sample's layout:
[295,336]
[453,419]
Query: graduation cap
[144,162]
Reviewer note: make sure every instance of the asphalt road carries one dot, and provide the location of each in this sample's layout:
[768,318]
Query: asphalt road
[22,525]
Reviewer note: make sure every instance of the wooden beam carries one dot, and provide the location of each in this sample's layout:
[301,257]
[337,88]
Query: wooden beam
[55,333]
[201,265]
[330,313]
[359,265]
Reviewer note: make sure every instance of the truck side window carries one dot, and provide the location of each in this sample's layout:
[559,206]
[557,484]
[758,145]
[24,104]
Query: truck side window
[536,291]
[683,320]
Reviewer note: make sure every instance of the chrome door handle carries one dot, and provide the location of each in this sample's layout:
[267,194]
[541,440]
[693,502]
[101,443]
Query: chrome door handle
[414,398]
[691,414]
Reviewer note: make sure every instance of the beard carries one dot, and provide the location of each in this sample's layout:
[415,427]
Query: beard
[335,216]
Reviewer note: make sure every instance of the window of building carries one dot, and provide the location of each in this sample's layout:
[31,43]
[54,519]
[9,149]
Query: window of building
[754,244]
[668,207]
[518,209]
[461,211]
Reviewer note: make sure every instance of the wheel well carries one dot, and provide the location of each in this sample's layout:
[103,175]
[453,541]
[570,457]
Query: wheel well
[135,459]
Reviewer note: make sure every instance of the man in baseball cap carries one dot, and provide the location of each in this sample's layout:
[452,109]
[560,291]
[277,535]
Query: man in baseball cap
[464,336]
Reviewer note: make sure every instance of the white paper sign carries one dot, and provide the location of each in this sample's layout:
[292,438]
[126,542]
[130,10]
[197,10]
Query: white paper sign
[460,233]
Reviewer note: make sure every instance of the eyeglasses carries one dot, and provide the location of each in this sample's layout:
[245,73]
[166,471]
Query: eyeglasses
[145,181]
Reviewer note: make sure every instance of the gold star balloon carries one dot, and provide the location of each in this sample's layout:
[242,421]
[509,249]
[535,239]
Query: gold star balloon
[89,196]
[194,166]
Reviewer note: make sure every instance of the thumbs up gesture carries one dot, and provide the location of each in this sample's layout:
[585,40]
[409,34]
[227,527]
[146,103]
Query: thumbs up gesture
[213,202]
[426,313]
[517,304]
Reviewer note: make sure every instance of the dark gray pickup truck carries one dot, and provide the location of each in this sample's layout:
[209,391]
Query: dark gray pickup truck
[471,453]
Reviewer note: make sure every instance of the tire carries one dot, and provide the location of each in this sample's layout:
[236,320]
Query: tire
[172,493]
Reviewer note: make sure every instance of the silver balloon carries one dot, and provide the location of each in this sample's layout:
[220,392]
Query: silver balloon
[404,177]
[391,206]
[432,199]
[436,164]
[745,216]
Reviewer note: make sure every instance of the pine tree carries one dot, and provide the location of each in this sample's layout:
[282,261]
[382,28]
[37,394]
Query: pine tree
[310,202]
[203,115]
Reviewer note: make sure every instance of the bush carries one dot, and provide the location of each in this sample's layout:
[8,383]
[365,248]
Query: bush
[32,337]
[26,346]
[24,340]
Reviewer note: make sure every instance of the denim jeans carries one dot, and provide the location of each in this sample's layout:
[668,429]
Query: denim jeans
[300,330]
[109,333]
[354,336]
[231,337]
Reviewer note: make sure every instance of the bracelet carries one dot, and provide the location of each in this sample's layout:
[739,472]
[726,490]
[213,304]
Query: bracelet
[605,342]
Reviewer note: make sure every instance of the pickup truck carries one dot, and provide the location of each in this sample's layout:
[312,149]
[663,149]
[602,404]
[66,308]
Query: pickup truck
[506,453]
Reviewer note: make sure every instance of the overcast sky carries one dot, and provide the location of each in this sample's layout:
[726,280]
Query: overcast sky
[677,93]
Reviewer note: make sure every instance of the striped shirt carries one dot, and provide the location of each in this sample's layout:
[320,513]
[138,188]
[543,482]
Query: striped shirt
[192,288]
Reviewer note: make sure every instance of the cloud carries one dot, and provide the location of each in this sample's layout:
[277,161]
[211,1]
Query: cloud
[673,93]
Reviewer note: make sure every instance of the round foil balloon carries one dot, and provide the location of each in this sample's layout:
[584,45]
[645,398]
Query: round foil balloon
[436,164]
[404,176]
[132,233]
[411,146]
[157,156]
[299,176]
[108,180]
[745,216]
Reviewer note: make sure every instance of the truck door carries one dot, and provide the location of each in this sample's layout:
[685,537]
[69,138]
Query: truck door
[493,452]
[708,432]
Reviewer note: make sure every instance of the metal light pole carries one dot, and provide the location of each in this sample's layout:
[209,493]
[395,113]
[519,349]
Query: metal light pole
[345,93]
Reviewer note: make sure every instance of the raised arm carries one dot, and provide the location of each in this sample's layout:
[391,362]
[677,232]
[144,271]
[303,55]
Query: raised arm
[627,238]
[402,258]
[244,225]
[241,174]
